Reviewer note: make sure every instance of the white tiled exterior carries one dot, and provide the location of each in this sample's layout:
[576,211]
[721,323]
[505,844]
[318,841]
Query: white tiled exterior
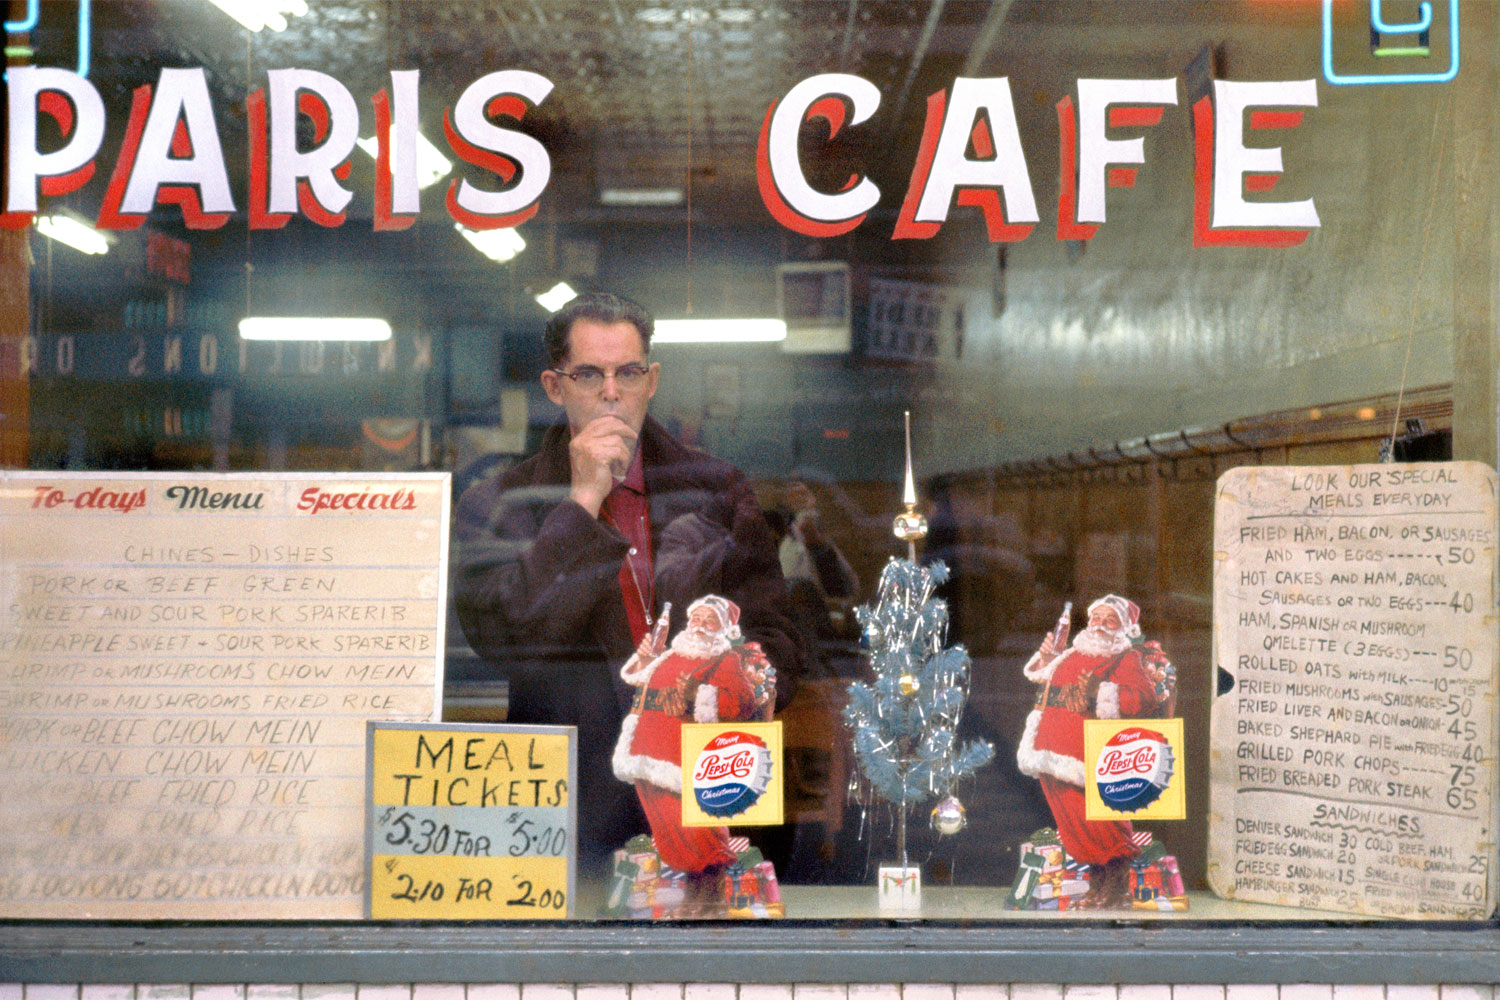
[730,991]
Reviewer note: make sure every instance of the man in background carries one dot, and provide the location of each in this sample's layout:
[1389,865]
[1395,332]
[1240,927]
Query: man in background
[566,561]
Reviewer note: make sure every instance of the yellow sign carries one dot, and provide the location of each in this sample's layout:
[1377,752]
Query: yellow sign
[731,774]
[1134,769]
[471,821]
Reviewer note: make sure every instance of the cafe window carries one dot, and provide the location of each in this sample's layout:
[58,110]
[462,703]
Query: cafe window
[1154,342]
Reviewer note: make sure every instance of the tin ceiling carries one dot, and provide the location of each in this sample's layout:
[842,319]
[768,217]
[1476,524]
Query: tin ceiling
[648,93]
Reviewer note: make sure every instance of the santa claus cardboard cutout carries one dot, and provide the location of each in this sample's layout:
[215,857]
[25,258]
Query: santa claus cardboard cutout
[705,675]
[1107,673]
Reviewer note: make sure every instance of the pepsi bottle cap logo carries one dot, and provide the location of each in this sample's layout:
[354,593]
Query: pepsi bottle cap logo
[1133,768]
[731,773]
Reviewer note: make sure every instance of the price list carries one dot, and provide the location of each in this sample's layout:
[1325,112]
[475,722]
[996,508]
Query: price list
[1354,738]
[187,664]
[471,821]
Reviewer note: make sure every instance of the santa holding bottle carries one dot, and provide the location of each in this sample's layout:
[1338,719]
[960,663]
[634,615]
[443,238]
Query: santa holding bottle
[702,677]
[1102,675]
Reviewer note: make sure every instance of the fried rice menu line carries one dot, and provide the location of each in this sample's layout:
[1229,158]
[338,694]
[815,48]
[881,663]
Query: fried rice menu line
[187,664]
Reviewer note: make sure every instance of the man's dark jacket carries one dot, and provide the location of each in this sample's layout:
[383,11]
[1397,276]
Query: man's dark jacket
[537,592]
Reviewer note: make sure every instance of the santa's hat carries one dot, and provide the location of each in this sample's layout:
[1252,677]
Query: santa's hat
[1125,609]
[727,610]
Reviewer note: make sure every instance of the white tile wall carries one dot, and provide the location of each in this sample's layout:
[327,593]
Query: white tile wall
[51,991]
[761,991]
[818,991]
[1035,991]
[927,991]
[971,991]
[1309,991]
[1198,992]
[730,991]
[1163,991]
[656,991]
[204,991]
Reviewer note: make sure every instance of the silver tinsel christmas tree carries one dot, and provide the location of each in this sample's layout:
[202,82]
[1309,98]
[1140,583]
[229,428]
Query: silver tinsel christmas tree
[905,724]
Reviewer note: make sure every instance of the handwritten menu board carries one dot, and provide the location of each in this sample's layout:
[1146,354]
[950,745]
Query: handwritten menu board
[471,822]
[1353,761]
[187,663]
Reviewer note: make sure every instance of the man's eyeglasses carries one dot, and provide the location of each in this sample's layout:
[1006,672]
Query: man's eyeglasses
[591,379]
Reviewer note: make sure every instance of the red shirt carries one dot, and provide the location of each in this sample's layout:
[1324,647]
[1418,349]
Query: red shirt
[625,507]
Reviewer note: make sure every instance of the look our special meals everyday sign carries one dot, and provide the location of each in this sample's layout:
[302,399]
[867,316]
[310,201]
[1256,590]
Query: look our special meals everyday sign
[1353,752]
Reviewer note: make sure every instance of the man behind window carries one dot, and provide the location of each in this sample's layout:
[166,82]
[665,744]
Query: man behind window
[578,548]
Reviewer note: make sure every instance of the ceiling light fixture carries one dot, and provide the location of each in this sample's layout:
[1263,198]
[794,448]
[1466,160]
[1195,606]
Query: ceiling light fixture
[499,245]
[74,232]
[258,14]
[432,165]
[641,197]
[719,331]
[656,15]
[556,297]
[314,328]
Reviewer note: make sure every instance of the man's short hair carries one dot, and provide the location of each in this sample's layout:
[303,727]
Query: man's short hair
[601,307]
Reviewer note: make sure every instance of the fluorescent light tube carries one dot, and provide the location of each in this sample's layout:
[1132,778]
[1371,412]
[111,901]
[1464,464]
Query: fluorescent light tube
[258,14]
[313,328]
[432,165]
[79,235]
[641,197]
[499,245]
[718,331]
[557,296]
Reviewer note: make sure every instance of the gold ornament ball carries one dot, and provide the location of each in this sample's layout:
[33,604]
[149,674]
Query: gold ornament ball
[949,816]
[910,526]
[910,685]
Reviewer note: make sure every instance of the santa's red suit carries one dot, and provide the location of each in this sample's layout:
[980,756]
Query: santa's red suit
[1078,686]
[677,688]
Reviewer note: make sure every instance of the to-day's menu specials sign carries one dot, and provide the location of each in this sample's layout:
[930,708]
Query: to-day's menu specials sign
[187,664]
[471,822]
[1353,762]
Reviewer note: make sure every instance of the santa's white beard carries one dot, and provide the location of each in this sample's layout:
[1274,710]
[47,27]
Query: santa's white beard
[1095,641]
[699,644]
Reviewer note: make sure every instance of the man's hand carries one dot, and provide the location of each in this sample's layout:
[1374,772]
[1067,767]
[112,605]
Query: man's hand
[599,455]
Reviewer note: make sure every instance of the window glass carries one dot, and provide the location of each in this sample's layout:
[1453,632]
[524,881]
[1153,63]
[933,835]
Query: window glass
[1097,253]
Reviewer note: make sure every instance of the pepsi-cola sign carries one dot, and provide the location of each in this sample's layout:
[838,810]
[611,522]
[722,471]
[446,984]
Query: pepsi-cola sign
[731,773]
[1133,768]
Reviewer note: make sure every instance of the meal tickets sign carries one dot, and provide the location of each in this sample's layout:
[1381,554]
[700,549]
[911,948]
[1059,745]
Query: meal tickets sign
[1353,757]
[187,664]
[471,822]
